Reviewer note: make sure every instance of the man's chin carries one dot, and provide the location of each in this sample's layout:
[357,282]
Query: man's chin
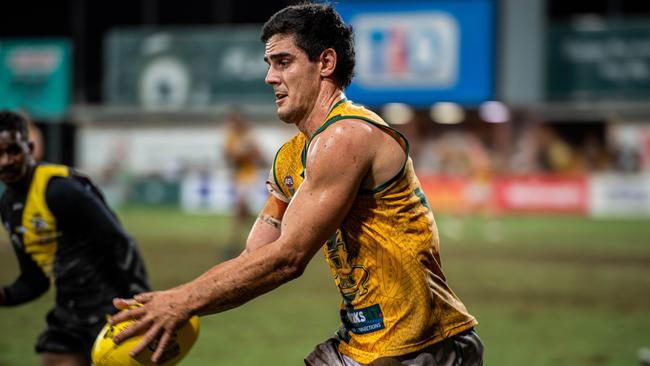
[11,178]
[284,116]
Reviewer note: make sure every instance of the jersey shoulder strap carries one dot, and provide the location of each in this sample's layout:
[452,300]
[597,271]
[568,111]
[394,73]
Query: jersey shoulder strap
[40,230]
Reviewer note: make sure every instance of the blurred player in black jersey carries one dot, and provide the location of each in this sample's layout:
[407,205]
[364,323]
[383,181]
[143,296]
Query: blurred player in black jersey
[64,234]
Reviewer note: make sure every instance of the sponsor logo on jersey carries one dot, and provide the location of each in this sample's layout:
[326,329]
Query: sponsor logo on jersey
[364,320]
[39,224]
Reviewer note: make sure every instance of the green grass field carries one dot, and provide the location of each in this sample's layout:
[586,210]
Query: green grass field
[551,291]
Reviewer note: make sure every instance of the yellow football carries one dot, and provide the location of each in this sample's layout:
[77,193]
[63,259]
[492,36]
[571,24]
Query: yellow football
[107,353]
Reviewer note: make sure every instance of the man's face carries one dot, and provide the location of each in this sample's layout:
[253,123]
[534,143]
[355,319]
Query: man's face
[295,79]
[15,156]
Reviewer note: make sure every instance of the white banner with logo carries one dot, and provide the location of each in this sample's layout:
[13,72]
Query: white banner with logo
[620,195]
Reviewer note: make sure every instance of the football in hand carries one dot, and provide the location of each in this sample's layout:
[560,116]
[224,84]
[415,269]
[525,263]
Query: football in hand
[106,353]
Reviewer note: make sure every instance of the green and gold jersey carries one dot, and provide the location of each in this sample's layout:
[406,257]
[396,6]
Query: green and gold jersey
[242,155]
[384,258]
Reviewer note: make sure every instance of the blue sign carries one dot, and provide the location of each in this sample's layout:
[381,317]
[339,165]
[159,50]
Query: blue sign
[35,76]
[421,52]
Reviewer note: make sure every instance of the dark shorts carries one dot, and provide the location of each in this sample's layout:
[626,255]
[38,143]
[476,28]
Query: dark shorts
[67,332]
[463,349]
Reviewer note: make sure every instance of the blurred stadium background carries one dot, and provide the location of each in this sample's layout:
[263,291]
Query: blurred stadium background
[529,123]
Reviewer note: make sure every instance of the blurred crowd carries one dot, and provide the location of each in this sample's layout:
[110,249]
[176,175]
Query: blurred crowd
[532,148]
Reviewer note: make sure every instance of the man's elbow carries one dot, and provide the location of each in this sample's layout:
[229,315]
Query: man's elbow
[292,270]
[291,261]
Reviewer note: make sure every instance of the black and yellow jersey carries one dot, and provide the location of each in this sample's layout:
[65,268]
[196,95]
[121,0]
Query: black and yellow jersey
[384,258]
[64,234]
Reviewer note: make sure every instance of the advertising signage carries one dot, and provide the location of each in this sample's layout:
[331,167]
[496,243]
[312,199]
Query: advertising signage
[35,76]
[178,68]
[610,62]
[422,52]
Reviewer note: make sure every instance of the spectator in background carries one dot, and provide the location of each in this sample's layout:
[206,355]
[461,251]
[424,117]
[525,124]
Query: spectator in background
[463,155]
[555,155]
[592,155]
[63,234]
[526,150]
[625,143]
[244,158]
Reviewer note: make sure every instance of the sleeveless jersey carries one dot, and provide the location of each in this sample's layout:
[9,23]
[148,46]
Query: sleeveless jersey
[41,232]
[89,266]
[384,258]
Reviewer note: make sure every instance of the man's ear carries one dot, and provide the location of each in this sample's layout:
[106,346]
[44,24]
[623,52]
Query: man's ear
[30,146]
[328,62]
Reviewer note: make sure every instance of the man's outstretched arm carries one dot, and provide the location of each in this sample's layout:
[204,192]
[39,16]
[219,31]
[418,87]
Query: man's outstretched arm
[316,211]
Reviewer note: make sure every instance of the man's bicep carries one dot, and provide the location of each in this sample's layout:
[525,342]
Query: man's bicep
[336,166]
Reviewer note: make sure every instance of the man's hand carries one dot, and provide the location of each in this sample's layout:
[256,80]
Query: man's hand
[157,315]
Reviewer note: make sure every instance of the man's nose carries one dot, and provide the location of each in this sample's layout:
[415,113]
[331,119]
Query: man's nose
[272,77]
[5,159]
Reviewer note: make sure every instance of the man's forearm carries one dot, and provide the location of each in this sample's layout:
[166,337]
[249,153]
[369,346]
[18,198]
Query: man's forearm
[23,291]
[233,283]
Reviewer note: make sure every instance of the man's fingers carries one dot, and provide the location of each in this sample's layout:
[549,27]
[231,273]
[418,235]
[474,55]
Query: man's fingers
[136,328]
[143,297]
[162,344]
[124,303]
[132,314]
[149,337]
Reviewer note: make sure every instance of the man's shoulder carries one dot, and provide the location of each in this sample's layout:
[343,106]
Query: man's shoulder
[351,110]
[298,139]
[348,131]
[50,169]
[292,148]
[67,187]
[346,141]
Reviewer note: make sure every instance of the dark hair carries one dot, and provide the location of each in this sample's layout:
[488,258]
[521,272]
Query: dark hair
[316,27]
[13,121]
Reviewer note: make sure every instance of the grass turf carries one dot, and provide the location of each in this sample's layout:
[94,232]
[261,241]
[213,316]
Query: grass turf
[547,291]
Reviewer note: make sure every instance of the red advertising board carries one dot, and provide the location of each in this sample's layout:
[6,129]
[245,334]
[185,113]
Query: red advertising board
[444,193]
[542,194]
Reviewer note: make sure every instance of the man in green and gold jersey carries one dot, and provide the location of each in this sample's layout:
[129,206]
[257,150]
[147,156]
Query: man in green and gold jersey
[344,185]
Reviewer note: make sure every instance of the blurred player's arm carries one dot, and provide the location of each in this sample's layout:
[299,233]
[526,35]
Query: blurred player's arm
[30,284]
[78,208]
